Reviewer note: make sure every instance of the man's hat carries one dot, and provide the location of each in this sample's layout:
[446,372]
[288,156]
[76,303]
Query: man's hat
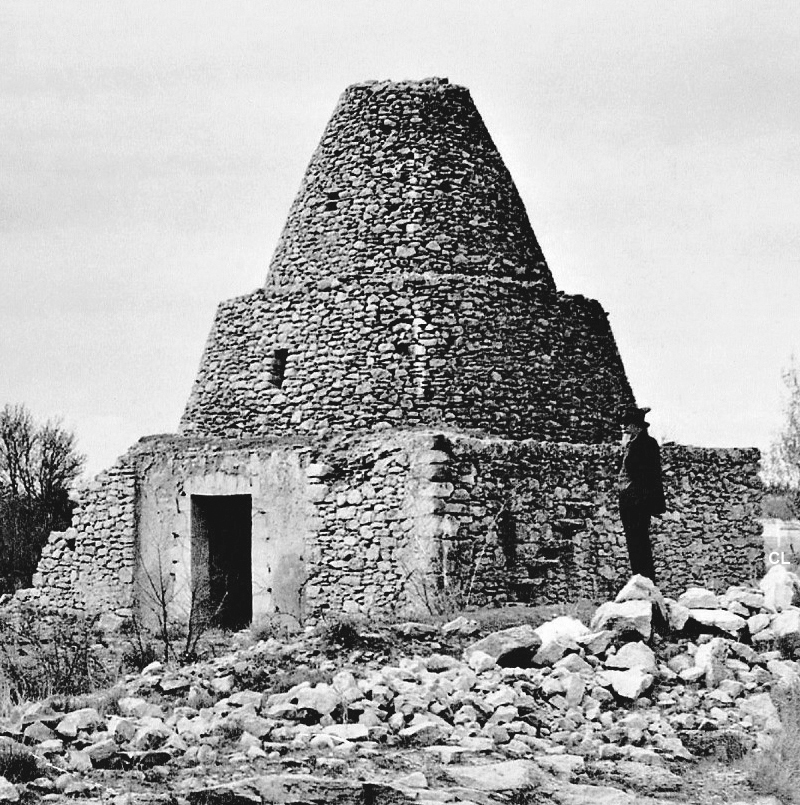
[635,416]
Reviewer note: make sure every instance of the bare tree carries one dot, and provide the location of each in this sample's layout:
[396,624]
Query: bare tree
[37,465]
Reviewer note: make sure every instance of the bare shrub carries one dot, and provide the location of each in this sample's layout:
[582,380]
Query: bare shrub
[167,631]
[343,631]
[42,655]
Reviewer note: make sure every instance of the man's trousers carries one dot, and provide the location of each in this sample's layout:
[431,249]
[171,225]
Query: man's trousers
[636,523]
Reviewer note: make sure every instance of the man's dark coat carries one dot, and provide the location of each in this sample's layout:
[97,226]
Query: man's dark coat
[642,487]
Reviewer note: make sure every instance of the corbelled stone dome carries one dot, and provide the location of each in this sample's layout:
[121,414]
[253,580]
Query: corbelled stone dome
[407,178]
[408,289]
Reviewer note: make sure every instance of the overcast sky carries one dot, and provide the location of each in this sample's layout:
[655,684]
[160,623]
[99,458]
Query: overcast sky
[149,152]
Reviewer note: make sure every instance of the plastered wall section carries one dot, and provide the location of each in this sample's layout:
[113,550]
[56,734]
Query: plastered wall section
[340,526]
[282,520]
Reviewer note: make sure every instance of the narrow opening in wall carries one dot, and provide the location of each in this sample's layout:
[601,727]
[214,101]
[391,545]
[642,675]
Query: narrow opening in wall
[279,357]
[507,537]
[222,573]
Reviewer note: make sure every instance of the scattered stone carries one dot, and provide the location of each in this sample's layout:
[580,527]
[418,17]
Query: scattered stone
[461,625]
[563,629]
[415,629]
[758,623]
[781,588]
[641,588]
[786,623]
[596,642]
[630,684]
[699,598]
[562,765]
[347,732]
[414,780]
[677,615]
[627,616]
[480,661]
[514,647]
[86,718]
[633,655]
[8,791]
[719,619]
[425,733]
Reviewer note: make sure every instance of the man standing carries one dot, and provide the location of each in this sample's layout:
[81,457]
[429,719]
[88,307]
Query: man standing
[641,492]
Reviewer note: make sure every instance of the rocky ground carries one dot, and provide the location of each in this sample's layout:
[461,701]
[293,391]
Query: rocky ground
[654,701]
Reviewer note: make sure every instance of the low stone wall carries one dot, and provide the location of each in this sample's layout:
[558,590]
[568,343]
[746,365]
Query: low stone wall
[400,521]
[90,566]
[538,522]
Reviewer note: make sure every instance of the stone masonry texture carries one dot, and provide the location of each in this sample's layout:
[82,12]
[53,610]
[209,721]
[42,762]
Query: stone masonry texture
[408,289]
[420,418]
[421,520]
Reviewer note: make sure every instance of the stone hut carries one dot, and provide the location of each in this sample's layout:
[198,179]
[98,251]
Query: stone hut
[408,415]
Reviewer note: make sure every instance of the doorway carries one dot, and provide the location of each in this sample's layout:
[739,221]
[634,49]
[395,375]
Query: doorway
[222,573]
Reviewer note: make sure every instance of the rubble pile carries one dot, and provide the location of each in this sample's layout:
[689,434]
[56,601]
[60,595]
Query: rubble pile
[650,684]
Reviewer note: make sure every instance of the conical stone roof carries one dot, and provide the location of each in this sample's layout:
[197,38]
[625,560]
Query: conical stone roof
[406,290]
[407,178]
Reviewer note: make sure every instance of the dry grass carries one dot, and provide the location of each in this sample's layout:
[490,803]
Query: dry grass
[43,656]
[17,764]
[775,771]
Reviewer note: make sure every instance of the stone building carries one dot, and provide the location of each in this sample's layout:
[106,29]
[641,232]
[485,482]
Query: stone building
[408,414]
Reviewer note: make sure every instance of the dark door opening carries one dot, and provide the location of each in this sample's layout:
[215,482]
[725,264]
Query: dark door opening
[222,574]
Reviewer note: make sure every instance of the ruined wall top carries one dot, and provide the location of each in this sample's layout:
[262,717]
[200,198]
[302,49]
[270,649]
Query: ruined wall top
[406,178]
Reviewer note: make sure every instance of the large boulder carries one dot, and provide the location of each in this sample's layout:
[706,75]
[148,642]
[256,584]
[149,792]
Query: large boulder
[625,616]
[781,588]
[558,636]
[510,648]
[699,598]
[719,619]
[747,596]
[640,588]
[628,684]
[562,628]
[633,655]
[786,623]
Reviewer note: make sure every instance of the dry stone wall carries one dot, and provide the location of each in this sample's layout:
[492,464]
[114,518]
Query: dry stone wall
[406,175]
[405,520]
[416,412]
[408,289]
[91,565]
[540,523]
[411,350]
